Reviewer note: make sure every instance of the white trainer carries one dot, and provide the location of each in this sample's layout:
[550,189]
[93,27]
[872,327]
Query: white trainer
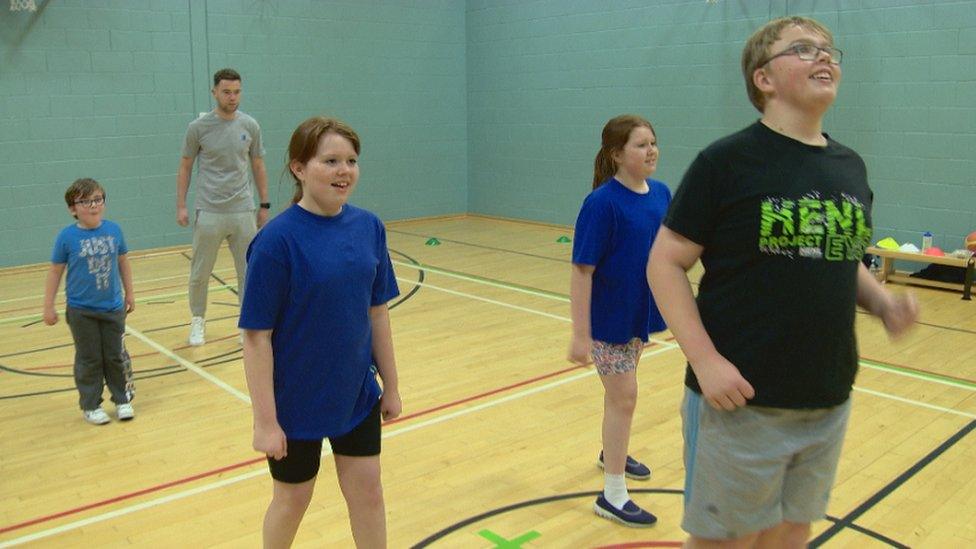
[125,412]
[96,416]
[198,326]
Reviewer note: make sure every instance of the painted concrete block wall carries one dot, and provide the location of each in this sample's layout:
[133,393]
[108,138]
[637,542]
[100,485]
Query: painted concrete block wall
[544,76]
[488,106]
[106,88]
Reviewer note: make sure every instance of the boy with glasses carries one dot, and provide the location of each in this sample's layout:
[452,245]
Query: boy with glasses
[779,214]
[95,255]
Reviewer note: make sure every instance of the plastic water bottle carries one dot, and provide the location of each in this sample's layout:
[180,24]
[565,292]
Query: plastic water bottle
[926,240]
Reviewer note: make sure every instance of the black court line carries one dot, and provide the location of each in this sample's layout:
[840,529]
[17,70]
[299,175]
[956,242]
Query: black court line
[212,275]
[670,491]
[482,246]
[420,278]
[70,344]
[174,368]
[892,486]
[515,506]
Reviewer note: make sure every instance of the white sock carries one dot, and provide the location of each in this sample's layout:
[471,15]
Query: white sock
[615,490]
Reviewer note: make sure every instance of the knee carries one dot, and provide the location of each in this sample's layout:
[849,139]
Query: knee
[623,400]
[369,495]
[794,534]
[292,501]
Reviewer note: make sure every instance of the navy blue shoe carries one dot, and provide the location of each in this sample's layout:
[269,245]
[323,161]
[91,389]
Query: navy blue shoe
[634,469]
[631,515]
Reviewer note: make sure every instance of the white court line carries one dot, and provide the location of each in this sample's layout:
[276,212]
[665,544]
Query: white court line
[134,282]
[189,365]
[476,280]
[916,403]
[263,471]
[913,375]
[145,299]
[666,346]
[482,281]
[510,306]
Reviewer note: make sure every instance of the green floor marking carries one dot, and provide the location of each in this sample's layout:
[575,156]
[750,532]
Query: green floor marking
[514,543]
[433,242]
[563,239]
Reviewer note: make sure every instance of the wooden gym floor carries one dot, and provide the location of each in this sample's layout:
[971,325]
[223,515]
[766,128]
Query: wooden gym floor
[499,436]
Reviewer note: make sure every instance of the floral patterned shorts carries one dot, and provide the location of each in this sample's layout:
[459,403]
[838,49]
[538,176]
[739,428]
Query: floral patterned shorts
[616,358]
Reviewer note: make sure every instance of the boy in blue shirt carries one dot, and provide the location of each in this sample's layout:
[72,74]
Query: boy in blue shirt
[94,253]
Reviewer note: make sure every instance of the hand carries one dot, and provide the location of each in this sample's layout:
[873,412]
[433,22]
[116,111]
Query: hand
[130,303]
[271,441]
[579,350]
[722,385]
[182,217]
[390,405]
[899,314]
[50,316]
[262,217]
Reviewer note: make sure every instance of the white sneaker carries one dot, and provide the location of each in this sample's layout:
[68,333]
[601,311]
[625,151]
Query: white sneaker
[96,416]
[198,326]
[125,412]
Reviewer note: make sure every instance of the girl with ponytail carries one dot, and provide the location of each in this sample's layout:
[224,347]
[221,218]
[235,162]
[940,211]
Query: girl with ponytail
[612,307]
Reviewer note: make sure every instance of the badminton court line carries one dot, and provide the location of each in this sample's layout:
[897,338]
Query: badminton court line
[263,471]
[547,295]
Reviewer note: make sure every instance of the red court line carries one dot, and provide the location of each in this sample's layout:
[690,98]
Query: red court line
[642,544]
[129,495]
[224,469]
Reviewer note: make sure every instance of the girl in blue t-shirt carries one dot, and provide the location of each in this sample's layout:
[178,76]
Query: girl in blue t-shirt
[612,307]
[316,331]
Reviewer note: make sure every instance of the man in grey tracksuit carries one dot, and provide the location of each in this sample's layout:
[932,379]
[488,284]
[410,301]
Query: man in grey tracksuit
[226,142]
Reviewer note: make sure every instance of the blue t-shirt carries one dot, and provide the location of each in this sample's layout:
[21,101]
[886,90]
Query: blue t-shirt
[614,232]
[92,258]
[312,279]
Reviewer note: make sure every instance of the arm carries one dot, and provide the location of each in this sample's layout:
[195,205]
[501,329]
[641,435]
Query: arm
[672,255]
[897,312]
[182,186]
[580,292]
[261,182]
[125,271]
[379,319]
[50,290]
[259,369]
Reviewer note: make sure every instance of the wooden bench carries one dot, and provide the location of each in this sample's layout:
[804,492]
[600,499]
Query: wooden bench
[888,272]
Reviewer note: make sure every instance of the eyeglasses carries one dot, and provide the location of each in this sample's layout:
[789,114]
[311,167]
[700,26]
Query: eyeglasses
[90,202]
[809,52]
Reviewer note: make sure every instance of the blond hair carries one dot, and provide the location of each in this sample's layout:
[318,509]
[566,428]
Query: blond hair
[756,53]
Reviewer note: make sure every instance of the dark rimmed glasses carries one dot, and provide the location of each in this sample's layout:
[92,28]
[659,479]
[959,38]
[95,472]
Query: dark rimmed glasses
[90,202]
[809,52]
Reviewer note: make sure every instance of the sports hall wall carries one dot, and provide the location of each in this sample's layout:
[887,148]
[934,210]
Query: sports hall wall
[486,106]
[106,88]
[544,76]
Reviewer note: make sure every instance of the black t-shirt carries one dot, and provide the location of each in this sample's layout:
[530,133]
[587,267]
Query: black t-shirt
[784,226]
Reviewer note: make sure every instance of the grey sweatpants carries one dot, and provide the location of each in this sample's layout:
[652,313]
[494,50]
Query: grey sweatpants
[209,232]
[100,356]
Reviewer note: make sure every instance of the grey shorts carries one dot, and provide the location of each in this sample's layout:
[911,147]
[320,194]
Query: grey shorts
[750,469]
